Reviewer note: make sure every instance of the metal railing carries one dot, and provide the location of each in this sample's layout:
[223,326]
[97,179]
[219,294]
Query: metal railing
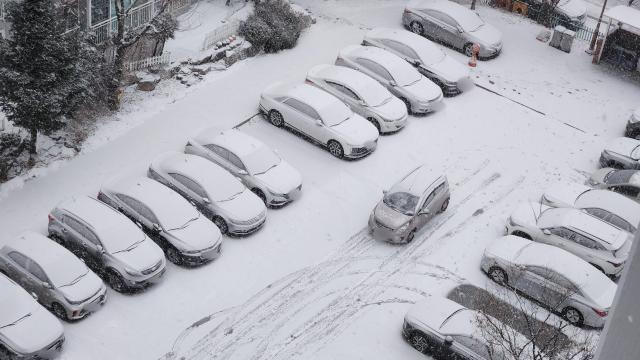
[220,34]
[148,62]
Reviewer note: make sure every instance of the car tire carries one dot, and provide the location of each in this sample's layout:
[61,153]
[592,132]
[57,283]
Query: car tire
[419,342]
[498,275]
[375,123]
[573,316]
[335,149]
[115,281]
[59,311]
[173,255]
[445,205]
[275,118]
[407,103]
[416,28]
[260,194]
[521,234]
[221,224]
[468,49]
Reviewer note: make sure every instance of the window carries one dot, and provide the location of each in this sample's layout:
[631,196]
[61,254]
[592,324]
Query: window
[19,259]
[611,218]
[429,198]
[138,207]
[343,89]
[28,265]
[627,190]
[401,48]
[303,108]
[473,345]
[223,153]
[190,184]
[81,229]
[233,159]
[372,66]
[586,242]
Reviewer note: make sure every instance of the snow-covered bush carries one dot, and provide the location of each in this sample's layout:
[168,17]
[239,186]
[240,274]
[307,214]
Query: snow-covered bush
[274,26]
[13,155]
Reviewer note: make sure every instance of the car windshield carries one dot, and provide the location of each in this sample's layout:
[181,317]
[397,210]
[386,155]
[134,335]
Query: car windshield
[402,201]
[469,21]
[65,272]
[335,114]
[261,160]
[405,76]
[176,215]
[375,95]
[429,53]
[622,177]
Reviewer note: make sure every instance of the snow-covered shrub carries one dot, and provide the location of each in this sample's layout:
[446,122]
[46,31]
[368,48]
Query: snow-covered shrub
[13,155]
[274,25]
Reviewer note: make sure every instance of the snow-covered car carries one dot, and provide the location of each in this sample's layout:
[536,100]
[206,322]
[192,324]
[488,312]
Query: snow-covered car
[454,25]
[419,94]
[602,245]
[362,94]
[552,276]
[625,182]
[59,280]
[321,117]
[185,235]
[27,330]
[623,153]
[608,206]
[445,329]
[570,14]
[633,125]
[216,193]
[425,56]
[108,242]
[409,205]
[258,167]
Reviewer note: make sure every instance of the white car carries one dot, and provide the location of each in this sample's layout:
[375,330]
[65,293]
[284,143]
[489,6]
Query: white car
[419,94]
[218,194]
[623,153]
[362,94]
[608,206]
[452,76]
[27,330]
[552,276]
[321,117]
[604,246]
[624,182]
[258,167]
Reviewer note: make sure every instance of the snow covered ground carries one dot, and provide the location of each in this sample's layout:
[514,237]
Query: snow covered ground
[312,284]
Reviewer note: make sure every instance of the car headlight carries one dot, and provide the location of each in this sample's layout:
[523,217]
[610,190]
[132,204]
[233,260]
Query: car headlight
[132,272]
[403,228]
[276,194]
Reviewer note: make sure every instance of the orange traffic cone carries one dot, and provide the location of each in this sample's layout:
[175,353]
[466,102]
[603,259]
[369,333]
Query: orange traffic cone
[475,50]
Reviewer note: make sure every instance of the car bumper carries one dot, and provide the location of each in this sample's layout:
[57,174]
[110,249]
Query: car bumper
[282,200]
[389,126]
[380,232]
[487,54]
[239,230]
[139,284]
[92,305]
[204,256]
[427,107]
[52,351]
[359,152]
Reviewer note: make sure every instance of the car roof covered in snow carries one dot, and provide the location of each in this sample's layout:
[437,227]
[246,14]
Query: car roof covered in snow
[358,82]
[566,193]
[622,145]
[611,236]
[443,315]
[423,47]
[418,181]
[507,247]
[233,140]
[327,105]
[399,69]
[612,202]
[626,15]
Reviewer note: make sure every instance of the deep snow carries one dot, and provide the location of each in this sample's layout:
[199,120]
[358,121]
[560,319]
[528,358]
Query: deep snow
[312,284]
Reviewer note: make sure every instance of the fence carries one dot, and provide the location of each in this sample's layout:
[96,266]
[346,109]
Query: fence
[148,62]
[220,34]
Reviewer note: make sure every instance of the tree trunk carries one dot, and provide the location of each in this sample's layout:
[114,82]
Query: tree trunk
[473,4]
[33,145]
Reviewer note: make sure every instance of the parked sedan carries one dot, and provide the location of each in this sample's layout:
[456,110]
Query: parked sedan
[108,242]
[554,277]
[216,193]
[258,167]
[608,206]
[604,246]
[425,56]
[454,25]
[625,182]
[362,94]
[419,94]
[27,330]
[321,117]
[633,125]
[409,205]
[623,153]
[58,279]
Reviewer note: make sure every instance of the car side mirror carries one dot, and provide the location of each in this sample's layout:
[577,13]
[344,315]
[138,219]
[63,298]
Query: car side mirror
[448,340]
[424,212]
[417,62]
[319,122]
[34,295]
[46,285]
[100,249]
[243,172]
[546,232]
[460,30]
[392,83]
[157,228]
[361,103]
[206,201]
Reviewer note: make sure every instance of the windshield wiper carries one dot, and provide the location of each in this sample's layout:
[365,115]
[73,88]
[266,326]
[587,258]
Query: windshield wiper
[336,124]
[232,196]
[15,322]
[187,223]
[269,168]
[74,281]
[131,247]
[384,102]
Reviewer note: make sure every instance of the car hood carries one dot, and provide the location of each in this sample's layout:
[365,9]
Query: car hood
[389,217]
[487,35]
[598,176]
[424,90]
[243,207]
[142,257]
[34,332]
[450,69]
[198,235]
[623,146]
[85,288]
[395,109]
[563,195]
[282,179]
[357,130]
[573,8]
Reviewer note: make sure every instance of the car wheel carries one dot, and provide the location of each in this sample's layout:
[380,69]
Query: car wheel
[445,205]
[407,103]
[419,342]
[498,275]
[417,28]
[521,234]
[221,224]
[260,194]
[573,316]
[468,49]
[335,149]
[173,255]
[276,118]
[376,124]
[59,311]
[115,281]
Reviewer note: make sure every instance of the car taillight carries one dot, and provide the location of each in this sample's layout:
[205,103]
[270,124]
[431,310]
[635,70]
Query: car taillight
[307,81]
[615,264]
[50,217]
[601,313]
[407,11]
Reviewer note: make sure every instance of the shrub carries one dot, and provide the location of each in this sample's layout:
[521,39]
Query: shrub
[274,26]
[13,155]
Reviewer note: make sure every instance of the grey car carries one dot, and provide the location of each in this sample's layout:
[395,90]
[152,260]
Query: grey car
[108,242]
[56,278]
[622,153]
[452,24]
[625,182]
[409,205]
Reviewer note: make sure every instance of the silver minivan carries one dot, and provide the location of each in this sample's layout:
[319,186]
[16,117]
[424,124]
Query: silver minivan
[409,205]
[53,275]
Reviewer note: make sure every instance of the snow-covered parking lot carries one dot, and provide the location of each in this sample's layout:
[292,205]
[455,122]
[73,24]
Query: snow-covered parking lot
[312,284]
